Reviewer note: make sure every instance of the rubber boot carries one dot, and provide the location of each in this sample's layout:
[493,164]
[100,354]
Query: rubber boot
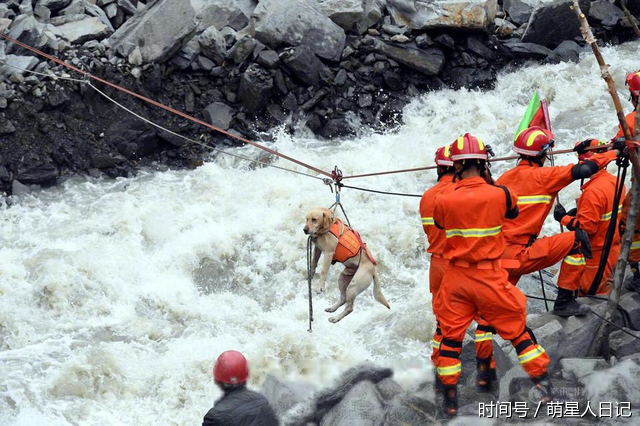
[543,385]
[567,306]
[486,375]
[437,384]
[450,400]
[633,284]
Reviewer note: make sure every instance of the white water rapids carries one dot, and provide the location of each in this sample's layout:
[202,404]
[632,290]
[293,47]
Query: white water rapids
[117,296]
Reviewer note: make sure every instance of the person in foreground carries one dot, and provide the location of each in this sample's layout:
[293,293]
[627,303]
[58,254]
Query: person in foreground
[238,406]
[475,283]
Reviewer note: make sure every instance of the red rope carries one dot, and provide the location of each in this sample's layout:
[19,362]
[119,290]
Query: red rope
[166,108]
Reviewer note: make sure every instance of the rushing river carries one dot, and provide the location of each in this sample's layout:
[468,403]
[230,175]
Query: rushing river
[116,296]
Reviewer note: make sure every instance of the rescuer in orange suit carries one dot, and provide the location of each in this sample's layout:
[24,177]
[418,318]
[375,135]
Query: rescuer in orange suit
[594,214]
[633,82]
[475,283]
[537,188]
[435,236]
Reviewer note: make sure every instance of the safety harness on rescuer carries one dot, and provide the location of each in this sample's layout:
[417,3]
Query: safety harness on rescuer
[350,243]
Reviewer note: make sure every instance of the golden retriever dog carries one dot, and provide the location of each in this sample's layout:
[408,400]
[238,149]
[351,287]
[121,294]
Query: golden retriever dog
[359,265]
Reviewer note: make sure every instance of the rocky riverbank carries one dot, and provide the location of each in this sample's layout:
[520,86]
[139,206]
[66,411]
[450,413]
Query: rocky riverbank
[323,66]
[589,389]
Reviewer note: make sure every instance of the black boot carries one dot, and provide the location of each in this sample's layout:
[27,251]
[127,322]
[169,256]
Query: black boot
[543,385]
[633,283]
[450,400]
[486,376]
[437,384]
[567,306]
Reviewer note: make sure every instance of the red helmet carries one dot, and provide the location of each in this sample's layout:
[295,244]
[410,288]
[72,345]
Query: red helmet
[533,141]
[443,157]
[589,154]
[633,81]
[468,147]
[231,368]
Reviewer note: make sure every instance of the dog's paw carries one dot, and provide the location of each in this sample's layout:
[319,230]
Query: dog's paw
[334,320]
[330,310]
[319,290]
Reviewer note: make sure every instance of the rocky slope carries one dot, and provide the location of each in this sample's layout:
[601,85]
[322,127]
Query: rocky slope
[325,65]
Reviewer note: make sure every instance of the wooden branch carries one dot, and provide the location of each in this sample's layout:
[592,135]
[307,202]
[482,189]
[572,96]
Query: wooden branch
[630,18]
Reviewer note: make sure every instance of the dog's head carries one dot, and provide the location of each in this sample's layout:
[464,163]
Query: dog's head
[319,221]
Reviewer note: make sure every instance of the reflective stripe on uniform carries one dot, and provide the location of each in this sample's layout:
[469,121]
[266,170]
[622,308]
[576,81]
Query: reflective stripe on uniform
[450,370]
[474,232]
[575,260]
[531,355]
[435,344]
[607,216]
[534,199]
[483,337]
[635,245]
[428,221]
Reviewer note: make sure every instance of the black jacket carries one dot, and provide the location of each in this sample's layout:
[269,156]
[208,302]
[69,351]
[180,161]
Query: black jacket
[241,407]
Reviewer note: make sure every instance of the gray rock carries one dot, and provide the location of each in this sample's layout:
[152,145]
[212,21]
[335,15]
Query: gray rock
[219,115]
[469,14]
[53,4]
[567,51]
[423,41]
[576,369]
[42,12]
[393,80]
[446,40]
[476,46]
[3,103]
[520,11]
[205,63]
[428,62]
[268,59]
[255,88]
[26,30]
[5,12]
[341,77]
[102,161]
[389,389]
[18,189]
[78,32]
[303,64]
[527,50]
[57,98]
[552,23]
[365,100]
[111,10]
[4,173]
[229,35]
[213,45]
[220,13]
[630,302]
[361,406]
[6,126]
[4,25]
[503,27]
[19,62]
[354,16]
[93,10]
[617,384]
[606,13]
[241,50]
[76,7]
[39,174]
[283,395]
[400,38]
[298,22]
[622,344]
[159,30]
[320,95]
[127,6]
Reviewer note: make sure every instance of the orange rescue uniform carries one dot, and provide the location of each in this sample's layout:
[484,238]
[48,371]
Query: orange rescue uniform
[537,188]
[634,254]
[436,238]
[473,216]
[595,210]
[631,122]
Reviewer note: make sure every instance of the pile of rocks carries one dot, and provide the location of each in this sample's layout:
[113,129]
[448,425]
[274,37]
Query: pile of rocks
[248,66]
[368,395]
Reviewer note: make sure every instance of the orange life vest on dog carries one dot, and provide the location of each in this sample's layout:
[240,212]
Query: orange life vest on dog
[349,243]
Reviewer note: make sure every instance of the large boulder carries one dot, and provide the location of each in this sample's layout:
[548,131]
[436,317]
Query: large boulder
[16,64]
[422,15]
[407,409]
[213,45]
[606,13]
[361,406]
[220,14]
[295,23]
[552,23]
[624,342]
[255,89]
[38,174]
[95,11]
[427,61]
[159,31]
[353,15]
[26,30]
[282,395]
[219,115]
[304,64]
[78,32]
[520,11]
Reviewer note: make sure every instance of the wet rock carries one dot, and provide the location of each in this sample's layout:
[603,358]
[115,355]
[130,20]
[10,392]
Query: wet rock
[353,15]
[38,174]
[298,22]
[19,62]
[606,13]
[428,62]
[268,59]
[393,80]
[78,32]
[205,63]
[283,395]
[623,344]
[446,40]
[476,46]
[102,161]
[617,384]
[576,369]
[365,100]
[337,128]
[255,89]
[520,11]
[53,4]
[213,45]
[220,13]
[389,389]
[630,302]
[304,64]
[361,406]
[527,50]
[18,189]
[552,23]
[567,51]
[132,137]
[320,95]
[471,14]
[4,173]
[364,372]
[162,27]
[219,115]
[241,50]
